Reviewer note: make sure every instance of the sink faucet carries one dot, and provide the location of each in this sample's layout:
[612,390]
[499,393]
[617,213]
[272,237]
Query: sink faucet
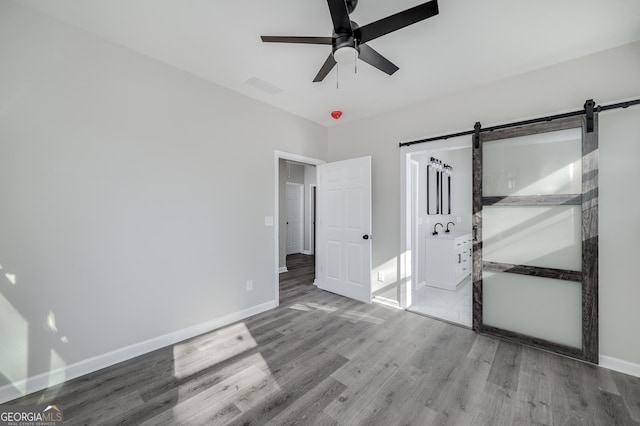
[450,223]
[435,231]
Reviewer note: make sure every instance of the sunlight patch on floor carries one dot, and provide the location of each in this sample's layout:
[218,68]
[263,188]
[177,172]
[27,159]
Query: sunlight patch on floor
[215,402]
[300,307]
[195,355]
[360,316]
[323,308]
[390,303]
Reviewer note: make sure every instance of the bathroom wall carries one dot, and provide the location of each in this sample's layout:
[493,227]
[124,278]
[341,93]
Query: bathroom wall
[461,199]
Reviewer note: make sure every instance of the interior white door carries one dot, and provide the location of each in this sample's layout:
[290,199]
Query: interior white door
[344,228]
[295,209]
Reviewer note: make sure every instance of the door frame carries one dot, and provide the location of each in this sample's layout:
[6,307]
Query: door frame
[301,216]
[311,229]
[277,156]
[405,260]
[415,243]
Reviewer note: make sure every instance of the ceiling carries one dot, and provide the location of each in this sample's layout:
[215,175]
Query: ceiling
[469,44]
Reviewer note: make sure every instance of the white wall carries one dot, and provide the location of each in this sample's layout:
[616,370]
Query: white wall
[619,233]
[461,189]
[295,172]
[607,76]
[133,197]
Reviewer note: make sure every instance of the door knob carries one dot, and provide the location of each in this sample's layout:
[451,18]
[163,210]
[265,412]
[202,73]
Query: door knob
[365,237]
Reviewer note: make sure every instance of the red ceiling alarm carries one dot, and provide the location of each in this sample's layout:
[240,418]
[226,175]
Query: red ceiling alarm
[336,114]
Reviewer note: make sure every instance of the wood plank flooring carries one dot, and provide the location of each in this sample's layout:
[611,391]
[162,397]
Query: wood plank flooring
[321,359]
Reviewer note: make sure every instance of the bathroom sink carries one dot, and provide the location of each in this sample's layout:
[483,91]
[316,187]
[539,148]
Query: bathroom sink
[448,236]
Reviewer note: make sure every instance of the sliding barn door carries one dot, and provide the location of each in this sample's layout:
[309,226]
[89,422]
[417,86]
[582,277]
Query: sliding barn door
[535,228]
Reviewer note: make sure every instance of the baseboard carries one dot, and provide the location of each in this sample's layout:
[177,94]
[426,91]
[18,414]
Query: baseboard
[307,252]
[620,365]
[443,285]
[283,269]
[386,301]
[42,381]
[421,284]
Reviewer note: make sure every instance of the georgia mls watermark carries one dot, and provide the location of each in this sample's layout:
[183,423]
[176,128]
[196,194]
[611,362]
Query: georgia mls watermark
[30,415]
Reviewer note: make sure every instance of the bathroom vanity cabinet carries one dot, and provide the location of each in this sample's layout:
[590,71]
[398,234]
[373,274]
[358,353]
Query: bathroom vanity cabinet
[448,260]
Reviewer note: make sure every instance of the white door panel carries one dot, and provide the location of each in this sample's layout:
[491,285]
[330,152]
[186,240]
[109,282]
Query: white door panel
[344,228]
[295,211]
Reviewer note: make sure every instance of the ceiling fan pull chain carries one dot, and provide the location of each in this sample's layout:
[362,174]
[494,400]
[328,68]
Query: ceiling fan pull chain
[355,62]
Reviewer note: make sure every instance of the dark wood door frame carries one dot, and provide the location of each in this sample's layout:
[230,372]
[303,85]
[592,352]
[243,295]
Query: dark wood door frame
[589,202]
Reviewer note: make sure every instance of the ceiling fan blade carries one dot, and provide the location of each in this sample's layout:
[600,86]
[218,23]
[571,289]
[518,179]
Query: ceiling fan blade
[326,67]
[303,40]
[340,17]
[395,22]
[375,59]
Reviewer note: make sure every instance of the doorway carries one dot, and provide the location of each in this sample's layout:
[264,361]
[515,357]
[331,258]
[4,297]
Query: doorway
[295,179]
[437,233]
[343,228]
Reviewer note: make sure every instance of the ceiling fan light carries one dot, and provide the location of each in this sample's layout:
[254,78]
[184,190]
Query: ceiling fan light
[345,55]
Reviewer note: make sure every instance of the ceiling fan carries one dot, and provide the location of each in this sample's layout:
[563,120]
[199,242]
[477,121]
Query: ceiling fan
[349,40]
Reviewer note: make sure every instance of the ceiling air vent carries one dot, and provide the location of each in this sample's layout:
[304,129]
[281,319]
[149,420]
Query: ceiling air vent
[265,86]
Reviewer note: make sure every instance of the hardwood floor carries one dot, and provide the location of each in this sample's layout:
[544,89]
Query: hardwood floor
[321,359]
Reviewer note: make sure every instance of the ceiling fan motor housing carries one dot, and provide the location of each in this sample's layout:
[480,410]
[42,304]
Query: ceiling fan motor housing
[346,49]
[345,41]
